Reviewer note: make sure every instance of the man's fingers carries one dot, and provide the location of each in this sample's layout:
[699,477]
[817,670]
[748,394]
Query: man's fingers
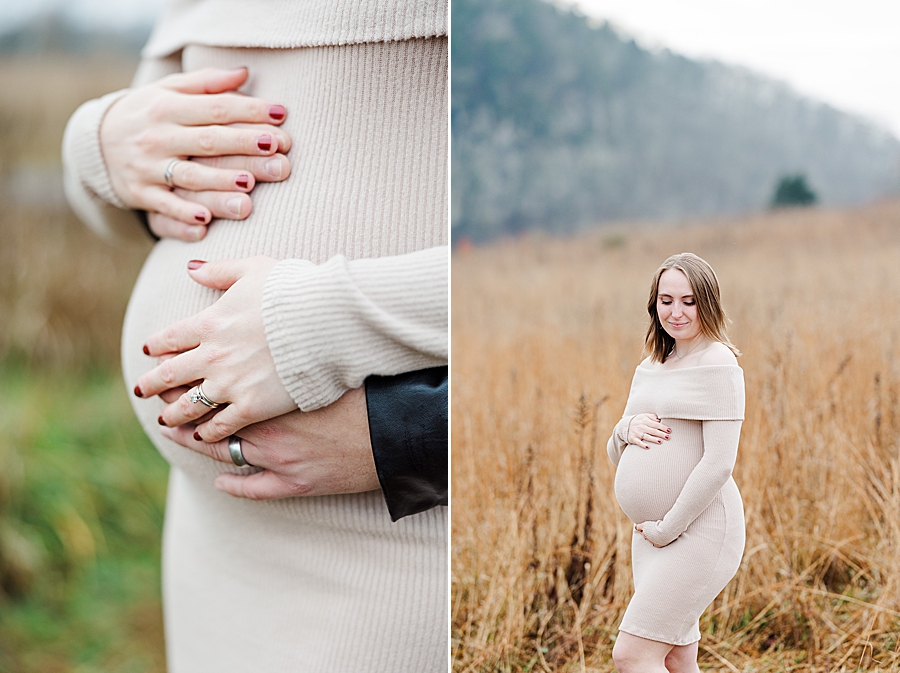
[263,485]
[207,80]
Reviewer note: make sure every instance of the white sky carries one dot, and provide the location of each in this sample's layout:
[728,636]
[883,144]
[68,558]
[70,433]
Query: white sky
[842,52]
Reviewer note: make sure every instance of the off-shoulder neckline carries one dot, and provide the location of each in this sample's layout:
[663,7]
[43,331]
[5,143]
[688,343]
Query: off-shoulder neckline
[686,369]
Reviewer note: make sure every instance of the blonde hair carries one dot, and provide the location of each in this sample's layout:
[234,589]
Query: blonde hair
[710,314]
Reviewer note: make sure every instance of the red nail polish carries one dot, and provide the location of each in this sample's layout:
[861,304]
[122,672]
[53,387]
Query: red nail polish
[137,389]
[195,264]
[197,436]
[146,349]
[264,143]
[242,181]
[160,420]
[200,217]
[277,112]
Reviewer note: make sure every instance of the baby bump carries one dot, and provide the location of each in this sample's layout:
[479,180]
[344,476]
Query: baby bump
[648,481]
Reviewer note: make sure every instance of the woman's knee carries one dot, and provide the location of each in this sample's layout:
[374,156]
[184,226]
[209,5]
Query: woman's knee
[628,655]
[683,659]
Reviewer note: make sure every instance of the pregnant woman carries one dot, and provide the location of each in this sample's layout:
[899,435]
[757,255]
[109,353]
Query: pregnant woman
[344,263]
[674,451]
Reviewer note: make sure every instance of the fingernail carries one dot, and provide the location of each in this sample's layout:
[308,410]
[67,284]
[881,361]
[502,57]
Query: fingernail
[137,389]
[200,217]
[667,436]
[273,168]
[264,143]
[243,67]
[146,349]
[218,485]
[193,265]
[160,420]
[196,233]
[277,112]
[234,206]
[242,181]
[197,436]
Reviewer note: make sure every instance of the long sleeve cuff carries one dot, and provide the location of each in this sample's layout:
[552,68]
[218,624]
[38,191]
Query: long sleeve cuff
[86,177]
[83,149]
[408,429]
[330,326]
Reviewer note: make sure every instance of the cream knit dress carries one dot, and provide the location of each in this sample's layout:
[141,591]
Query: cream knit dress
[684,489]
[326,583]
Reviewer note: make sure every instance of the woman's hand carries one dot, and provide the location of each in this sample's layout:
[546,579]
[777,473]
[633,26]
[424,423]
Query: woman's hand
[192,115]
[223,346]
[646,429]
[273,168]
[639,527]
[320,452]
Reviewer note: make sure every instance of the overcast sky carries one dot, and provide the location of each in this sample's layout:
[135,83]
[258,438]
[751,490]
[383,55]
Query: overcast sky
[845,53]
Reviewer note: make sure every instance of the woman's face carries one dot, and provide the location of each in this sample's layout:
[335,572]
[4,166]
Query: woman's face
[676,307]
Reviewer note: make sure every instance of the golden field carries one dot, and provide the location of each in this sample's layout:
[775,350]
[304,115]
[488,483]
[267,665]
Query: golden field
[545,336]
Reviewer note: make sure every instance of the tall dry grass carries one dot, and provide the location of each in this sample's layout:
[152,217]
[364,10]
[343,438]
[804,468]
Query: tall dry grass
[546,334]
[63,290]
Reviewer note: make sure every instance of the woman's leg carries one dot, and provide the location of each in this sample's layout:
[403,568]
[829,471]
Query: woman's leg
[633,654]
[683,659]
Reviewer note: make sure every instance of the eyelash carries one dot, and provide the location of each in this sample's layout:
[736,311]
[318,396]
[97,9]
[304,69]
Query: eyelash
[666,303]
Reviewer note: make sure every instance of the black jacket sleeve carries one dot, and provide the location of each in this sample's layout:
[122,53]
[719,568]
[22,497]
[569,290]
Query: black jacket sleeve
[408,429]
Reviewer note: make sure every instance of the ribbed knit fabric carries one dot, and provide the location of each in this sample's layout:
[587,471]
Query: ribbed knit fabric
[277,24]
[683,492]
[326,583]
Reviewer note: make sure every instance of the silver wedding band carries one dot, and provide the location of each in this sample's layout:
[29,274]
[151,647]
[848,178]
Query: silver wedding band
[197,395]
[168,174]
[237,455]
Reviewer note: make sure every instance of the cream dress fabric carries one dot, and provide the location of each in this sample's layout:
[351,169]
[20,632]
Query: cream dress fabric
[327,583]
[684,489]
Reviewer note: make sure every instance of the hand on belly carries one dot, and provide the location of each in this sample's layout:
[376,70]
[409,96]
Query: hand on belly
[224,348]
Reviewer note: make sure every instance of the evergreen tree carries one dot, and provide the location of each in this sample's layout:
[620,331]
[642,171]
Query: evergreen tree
[792,190]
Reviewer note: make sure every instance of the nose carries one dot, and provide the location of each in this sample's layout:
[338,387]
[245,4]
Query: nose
[676,310]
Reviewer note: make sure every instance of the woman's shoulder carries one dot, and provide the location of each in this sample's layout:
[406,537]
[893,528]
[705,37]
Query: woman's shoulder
[717,353]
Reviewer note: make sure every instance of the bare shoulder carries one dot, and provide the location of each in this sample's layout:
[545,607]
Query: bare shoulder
[717,353]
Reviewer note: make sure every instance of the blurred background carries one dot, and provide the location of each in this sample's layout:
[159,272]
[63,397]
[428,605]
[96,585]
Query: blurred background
[81,489]
[592,140]
[565,116]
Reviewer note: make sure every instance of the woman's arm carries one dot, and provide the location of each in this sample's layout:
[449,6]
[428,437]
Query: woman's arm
[274,342]
[720,445]
[615,447]
[117,150]
[85,176]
